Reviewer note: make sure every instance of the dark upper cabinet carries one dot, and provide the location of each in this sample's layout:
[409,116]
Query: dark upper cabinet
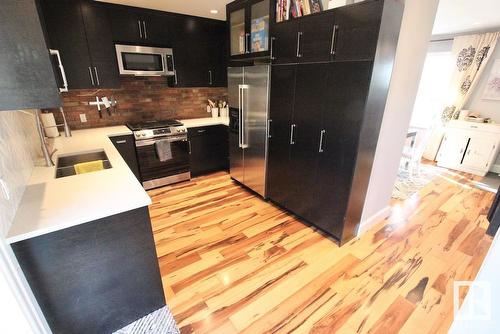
[249,26]
[67,35]
[27,77]
[138,26]
[126,25]
[345,33]
[209,150]
[316,40]
[81,33]
[357,30]
[101,47]
[199,52]
[285,42]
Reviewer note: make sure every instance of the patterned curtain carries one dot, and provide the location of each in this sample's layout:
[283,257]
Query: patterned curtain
[472,53]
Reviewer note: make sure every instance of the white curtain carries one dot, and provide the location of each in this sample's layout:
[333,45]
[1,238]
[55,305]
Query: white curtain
[471,54]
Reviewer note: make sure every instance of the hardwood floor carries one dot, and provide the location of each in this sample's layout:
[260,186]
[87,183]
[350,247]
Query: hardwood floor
[233,263]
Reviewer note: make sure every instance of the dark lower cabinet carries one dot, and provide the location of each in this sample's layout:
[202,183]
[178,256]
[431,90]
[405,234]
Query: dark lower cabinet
[494,215]
[310,91]
[96,277]
[344,103]
[27,77]
[209,149]
[279,187]
[126,146]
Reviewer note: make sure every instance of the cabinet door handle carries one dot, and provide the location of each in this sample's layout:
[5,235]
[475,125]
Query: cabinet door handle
[321,141]
[97,76]
[210,77]
[247,49]
[269,125]
[140,28]
[334,37]
[121,141]
[272,48]
[145,31]
[189,144]
[91,77]
[201,131]
[61,68]
[292,134]
[299,35]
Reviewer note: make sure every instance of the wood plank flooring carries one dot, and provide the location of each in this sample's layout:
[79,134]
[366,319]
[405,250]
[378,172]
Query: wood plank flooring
[233,263]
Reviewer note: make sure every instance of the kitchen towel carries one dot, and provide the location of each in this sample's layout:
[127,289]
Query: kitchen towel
[88,167]
[163,150]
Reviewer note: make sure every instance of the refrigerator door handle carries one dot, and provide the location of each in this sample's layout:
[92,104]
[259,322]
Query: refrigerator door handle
[243,114]
[240,130]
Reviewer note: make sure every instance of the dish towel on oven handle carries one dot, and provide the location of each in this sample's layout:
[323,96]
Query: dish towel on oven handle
[163,149]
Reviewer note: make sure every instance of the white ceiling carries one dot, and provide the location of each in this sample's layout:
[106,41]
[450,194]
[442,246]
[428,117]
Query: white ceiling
[457,16]
[191,7]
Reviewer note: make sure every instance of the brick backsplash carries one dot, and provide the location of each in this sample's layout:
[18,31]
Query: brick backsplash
[139,99]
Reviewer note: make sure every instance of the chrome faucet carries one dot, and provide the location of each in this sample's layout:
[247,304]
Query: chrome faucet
[43,138]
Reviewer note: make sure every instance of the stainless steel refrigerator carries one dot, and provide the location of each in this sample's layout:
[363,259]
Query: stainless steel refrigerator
[248,97]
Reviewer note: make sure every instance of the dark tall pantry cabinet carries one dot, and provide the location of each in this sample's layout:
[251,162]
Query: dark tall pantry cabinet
[329,83]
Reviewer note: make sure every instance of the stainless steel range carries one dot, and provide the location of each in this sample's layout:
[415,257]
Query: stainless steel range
[162,152]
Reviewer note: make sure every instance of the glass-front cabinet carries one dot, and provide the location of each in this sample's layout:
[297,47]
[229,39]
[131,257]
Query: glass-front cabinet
[249,28]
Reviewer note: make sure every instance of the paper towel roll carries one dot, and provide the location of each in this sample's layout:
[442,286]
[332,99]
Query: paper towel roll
[49,123]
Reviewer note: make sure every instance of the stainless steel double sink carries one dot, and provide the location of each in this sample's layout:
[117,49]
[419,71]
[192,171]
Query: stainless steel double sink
[65,165]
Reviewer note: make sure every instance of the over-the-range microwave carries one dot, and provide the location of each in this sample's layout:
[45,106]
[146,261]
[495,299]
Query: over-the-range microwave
[145,60]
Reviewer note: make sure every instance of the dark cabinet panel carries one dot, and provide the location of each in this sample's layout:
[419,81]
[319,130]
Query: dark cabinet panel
[199,52]
[279,186]
[67,34]
[310,92]
[347,88]
[316,40]
[125,25]
[95,277]
[358,28]
[80,31]
[126,146]
[285,42]
[27,77]
[209,149]
[101,47]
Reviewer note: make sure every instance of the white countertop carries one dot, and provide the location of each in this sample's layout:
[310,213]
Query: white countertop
[51,204]
[195,122]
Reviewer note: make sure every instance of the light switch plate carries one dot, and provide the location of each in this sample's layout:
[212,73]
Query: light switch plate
[83,118]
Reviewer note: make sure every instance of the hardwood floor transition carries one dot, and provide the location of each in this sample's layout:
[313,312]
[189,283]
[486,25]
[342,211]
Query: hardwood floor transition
[233,263]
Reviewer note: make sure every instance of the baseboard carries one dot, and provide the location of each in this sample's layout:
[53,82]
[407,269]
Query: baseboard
[495,169]
[374,219]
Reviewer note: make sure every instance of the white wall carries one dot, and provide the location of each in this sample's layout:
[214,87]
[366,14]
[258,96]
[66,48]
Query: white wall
[487,108]
[418,20]
[19,151]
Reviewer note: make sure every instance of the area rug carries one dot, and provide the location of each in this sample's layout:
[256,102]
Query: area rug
[406,186]
[159,322]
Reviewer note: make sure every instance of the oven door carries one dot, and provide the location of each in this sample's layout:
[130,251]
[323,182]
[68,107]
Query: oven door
[156,173]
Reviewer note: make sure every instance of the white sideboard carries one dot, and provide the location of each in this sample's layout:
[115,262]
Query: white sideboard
[469,147]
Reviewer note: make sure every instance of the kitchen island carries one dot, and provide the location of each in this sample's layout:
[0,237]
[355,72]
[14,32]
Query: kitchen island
[85,243]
